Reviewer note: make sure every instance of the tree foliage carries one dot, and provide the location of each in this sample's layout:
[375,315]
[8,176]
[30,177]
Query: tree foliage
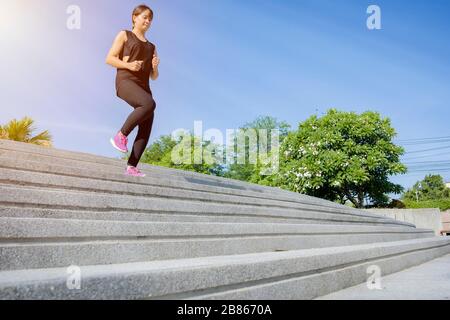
[432,187]
[23,131]
[161,153]
[342,156]
[251,171]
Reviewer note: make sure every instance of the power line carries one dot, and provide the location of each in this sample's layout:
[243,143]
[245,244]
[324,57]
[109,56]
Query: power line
[418,173]
[427,169]
[425,150]
[422,139]
[426,156]
[428,162]
[407,144]
[429,165]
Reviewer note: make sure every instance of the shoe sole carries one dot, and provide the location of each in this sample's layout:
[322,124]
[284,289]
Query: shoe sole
[131,175]
[116,147]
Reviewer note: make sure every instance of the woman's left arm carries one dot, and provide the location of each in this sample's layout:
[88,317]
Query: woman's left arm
[155,63]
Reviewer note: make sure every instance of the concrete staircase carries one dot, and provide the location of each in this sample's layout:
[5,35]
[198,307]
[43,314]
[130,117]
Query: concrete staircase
[181,235]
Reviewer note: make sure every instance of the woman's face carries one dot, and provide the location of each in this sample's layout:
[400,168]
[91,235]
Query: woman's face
[143,21]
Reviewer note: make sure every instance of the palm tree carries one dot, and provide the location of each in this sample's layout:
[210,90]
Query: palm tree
[22,130]
[3,133]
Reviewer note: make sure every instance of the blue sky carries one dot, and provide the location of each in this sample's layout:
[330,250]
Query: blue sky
[225,62]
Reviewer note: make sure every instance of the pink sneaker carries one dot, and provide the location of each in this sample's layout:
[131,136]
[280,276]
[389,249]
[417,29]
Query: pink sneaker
[120,142]
[133,171]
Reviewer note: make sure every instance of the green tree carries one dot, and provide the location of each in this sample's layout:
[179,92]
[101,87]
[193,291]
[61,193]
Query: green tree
[23,131]
[160,153]
[251,171]
[155,153]
[432,187]
[342,156]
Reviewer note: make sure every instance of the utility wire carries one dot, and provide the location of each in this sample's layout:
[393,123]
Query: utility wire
[425,150]
[421,139]
[426,156]
[427,169]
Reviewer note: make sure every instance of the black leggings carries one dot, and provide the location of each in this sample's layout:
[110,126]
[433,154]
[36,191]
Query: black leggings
[142,116]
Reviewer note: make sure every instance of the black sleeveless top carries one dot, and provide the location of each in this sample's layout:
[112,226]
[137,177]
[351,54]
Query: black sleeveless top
[136,49]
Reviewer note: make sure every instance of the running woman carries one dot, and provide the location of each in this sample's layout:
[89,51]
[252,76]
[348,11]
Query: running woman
[136,61]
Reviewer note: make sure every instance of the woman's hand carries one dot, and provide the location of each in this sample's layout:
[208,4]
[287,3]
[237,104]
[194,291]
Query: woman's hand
[135,65]
[155,61]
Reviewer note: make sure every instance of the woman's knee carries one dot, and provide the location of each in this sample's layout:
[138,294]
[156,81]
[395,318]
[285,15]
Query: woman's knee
[150,105]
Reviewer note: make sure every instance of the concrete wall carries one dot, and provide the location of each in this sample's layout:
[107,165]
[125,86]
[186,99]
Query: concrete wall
[422,218]
[446,220]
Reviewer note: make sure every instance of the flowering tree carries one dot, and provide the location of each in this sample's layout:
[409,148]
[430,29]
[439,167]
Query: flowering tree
[342,156]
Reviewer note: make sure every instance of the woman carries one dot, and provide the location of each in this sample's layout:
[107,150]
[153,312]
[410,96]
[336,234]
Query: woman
[136,61]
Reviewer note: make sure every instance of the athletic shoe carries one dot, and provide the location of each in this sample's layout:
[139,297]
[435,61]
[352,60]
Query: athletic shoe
[133,171]
[120,142]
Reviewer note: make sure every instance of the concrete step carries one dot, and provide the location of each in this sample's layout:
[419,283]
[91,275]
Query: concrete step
[34,211]
[62,172]
[42,243]
[176,234]
[297,274]
[9,163]
[86,200]
[10,148]
[21,229]
[428,281]
[37,179]
[17,176]
[22,151]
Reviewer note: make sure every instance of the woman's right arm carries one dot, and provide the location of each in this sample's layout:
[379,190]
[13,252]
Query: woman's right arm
[113,55]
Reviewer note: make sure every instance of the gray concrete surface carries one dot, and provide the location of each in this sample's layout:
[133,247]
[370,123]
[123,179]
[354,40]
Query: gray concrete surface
[428,281]
[428,218]
[162,190]
[29,169]
[445,216]
[176,234]
[295,274]
[66,198]
[23,151]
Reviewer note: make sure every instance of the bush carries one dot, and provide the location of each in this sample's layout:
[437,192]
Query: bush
[442,204]
[397,204]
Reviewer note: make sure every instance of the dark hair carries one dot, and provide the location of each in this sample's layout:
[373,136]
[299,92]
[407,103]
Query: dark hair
[139,9]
